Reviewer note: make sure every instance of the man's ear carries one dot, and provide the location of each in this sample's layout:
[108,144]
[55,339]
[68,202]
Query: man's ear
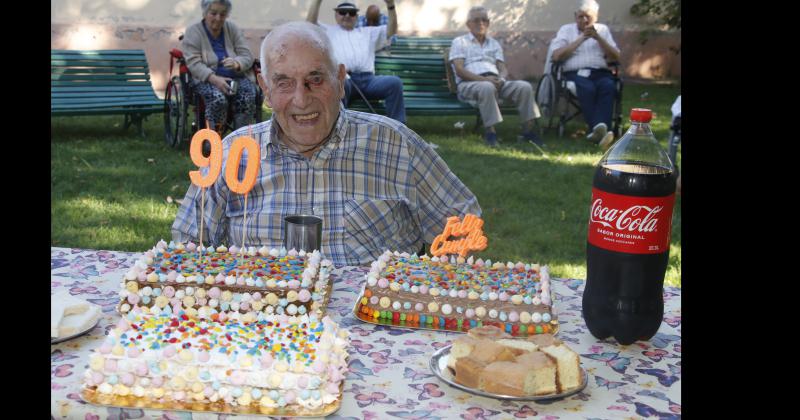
[264,88]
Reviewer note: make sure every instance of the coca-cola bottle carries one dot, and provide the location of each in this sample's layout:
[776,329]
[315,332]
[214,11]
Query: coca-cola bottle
[628,239]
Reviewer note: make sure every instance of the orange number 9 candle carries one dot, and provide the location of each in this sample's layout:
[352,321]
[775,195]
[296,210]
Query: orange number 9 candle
[234,159]
[213,161]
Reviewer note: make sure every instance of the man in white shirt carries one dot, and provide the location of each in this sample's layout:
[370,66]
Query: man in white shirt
[481,77]
[355,48]
[585,47]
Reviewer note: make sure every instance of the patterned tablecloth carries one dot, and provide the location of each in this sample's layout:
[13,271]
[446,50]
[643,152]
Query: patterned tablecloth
[389,374]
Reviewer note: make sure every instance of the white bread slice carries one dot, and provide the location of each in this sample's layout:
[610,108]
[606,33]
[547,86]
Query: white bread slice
[462,347]
[518,346]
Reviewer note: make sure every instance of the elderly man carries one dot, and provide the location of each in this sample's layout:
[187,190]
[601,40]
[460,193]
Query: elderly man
[355,48]
[482,77]
[585,47]
[375,183]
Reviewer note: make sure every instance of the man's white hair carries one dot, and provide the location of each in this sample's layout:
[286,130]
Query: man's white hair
[474,10]
[588,6]
[276,43]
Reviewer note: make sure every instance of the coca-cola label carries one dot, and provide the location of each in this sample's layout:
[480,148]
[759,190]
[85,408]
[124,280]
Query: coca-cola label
[634,225]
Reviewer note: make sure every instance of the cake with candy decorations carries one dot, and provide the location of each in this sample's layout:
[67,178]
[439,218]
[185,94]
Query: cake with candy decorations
[249,283]
[458,294]
[277,365]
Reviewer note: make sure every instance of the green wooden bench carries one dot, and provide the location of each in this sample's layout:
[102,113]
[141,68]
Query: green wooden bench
[102,82]
[428,82]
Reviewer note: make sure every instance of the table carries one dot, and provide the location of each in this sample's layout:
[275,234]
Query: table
[389,374]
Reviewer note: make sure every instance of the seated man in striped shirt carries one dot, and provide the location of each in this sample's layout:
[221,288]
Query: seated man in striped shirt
[585,47]
[481,79]
[375,183]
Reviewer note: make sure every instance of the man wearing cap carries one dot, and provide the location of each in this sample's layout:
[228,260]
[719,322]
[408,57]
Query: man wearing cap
[355,48]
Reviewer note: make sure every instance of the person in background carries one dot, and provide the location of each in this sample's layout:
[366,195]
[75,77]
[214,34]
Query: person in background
[374,17]
[585,47]
[375,183]
[355,48]
[481,77]
[216,53]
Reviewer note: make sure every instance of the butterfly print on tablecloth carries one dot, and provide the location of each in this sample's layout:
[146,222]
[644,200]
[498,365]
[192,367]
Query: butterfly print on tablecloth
[649,412]
[383,340]
[393,330]
[409,404]
[673,406]
[658,354]
[415,375]
[440,345]
[409,352]
[522,412]
[664,378]
[382,357]
[364,400]
[672,321]
[603,382]
[59,356]
[115,413]
[662,340]
[573,284]
[357,370]
[80,273]
[56,263]
[414,415]
[479,413]
[612,360]
[361,347]
[427,391]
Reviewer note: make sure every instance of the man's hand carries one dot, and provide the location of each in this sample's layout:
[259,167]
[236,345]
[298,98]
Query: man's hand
[389,3]
[496,81]
[590,32]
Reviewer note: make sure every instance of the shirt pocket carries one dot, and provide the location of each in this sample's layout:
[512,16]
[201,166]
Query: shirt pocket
[374,225]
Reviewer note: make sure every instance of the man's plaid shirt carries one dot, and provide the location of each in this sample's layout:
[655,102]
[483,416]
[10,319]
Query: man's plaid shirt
[376,184]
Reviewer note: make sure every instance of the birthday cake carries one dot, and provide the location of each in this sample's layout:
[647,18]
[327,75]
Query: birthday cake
[458,294]
[242,283]
[279,365]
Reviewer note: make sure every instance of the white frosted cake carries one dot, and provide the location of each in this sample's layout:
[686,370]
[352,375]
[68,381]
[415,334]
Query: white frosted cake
[294,364]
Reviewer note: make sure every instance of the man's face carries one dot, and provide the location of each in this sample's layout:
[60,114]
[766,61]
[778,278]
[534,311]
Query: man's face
[346,18]
[301,92]
[584,19]
[373,15]
[478,24]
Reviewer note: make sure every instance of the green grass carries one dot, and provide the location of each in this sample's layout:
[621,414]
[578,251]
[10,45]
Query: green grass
[114,190]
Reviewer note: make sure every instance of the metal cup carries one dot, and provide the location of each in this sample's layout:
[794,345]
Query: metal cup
[302,232]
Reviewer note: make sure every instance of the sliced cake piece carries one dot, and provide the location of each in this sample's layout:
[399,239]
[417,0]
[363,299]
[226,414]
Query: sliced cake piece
[462,347]
[543,370]
[568,364]
[75,323]
[544,340]
[488,351]
[468,371]
[62,304]
[518,347]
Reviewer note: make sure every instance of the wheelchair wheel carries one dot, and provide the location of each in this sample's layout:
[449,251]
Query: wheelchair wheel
[175,113]
[674,141]
[546,98]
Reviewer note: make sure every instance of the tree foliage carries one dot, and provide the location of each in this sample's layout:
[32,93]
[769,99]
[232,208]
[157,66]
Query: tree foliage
[668,12]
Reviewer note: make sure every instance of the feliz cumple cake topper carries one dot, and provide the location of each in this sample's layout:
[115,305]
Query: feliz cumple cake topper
[471,230]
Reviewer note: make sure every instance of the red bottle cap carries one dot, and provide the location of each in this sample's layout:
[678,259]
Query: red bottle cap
[642,115]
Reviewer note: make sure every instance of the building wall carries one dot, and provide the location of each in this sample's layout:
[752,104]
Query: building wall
[523,27]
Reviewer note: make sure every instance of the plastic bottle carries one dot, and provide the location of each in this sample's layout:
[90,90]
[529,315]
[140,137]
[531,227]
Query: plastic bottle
[628,238]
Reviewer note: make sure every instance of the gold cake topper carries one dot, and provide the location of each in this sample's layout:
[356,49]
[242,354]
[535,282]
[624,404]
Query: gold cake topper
[471,230]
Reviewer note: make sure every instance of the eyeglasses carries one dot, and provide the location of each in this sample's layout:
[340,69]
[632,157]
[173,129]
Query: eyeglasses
[347,12]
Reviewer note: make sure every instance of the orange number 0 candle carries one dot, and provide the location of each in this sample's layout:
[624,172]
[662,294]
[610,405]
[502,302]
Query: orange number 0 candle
[234,159]
[213,161]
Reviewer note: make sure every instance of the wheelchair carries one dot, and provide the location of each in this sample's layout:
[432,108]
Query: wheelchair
[558,100]
[180,95]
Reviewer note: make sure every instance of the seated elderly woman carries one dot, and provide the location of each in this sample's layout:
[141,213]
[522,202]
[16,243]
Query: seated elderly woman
[216,54]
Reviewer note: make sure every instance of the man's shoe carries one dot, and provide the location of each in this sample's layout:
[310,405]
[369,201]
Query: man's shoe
[532,137]
[491,138]
[607,141]
[598,132]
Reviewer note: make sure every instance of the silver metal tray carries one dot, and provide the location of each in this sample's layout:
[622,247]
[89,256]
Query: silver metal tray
[57,340]
[438,365]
